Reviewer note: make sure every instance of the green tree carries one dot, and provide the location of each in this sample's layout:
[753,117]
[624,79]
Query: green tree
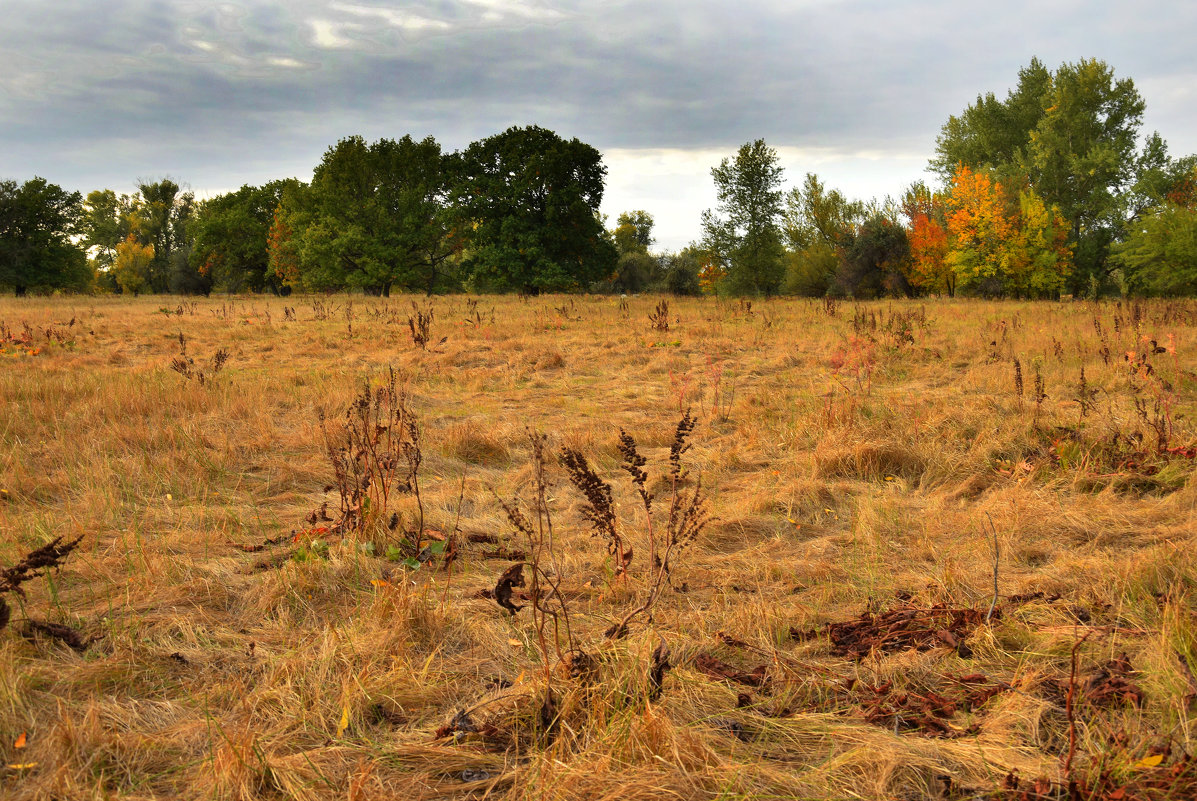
[161,220]
[815,222]
[633,232]
[874,259]
[374,217]
[811,270]
[745,234]
[993,134]
[1072,136]
[1159,256]
[183,273]
[636,269]
[107,219]
[229,234]
[1082,158]
[38,221]
[528,202]
[813,214]
[678,272]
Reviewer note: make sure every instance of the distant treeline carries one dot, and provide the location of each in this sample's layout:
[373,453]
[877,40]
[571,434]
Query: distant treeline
[1050,191]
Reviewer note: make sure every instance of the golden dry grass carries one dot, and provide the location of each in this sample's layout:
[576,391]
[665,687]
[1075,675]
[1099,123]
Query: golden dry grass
[847,463]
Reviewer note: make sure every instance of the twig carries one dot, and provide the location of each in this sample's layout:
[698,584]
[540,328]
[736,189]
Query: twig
[1070,709]
[996,554]
[453,534]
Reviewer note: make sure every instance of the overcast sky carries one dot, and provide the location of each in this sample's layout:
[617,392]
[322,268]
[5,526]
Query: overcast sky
[98,93]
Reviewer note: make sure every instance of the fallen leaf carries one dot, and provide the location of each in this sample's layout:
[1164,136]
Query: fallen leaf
[514,642]
[344,724]
[512,577]
[20,743]
[1148,762]
[22,766]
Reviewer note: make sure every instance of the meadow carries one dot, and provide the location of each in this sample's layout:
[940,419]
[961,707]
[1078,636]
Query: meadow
[346,547]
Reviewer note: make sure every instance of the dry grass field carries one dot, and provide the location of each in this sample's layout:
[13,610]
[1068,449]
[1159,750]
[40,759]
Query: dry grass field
[819,623]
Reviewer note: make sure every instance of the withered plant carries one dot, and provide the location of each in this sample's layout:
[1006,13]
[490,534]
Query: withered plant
[322,311]
[1040,393]
[546,600]
[421,325]
[722,384]
[39,562]
[1086,395]
[186,366]
[599,508]
[375,452]
[659,317]
[667,539]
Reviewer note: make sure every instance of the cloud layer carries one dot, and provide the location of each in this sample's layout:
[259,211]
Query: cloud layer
[99,94]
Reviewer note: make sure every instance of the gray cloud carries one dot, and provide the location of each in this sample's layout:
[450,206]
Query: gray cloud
[98,93]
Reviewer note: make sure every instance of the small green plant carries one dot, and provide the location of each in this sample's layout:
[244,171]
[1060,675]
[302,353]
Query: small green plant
[311,551]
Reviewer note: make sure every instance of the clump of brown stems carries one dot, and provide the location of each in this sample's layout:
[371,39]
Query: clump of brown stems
[185,366]
[686,518]
[1040,393]
[659,317]
[322,311]
[421,326]
[1086,395]
[375,454]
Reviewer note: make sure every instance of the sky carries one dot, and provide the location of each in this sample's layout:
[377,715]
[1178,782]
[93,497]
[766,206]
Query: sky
[103,93]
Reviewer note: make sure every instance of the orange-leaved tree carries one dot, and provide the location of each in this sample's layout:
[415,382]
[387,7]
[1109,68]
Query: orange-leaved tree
[928,237]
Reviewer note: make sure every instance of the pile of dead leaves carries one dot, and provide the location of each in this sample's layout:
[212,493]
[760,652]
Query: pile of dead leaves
[925,710]
[1109,685]
[902,628]
[718,669]
[928,711]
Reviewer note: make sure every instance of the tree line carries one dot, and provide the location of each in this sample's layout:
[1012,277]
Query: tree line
[1048,191]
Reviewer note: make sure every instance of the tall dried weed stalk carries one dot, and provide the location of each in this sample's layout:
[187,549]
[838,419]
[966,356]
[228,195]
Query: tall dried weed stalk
[666,539]
[375,452]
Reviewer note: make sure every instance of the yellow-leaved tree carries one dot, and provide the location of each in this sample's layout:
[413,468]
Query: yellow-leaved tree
[979,229]
[133,261]
[1040,259]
